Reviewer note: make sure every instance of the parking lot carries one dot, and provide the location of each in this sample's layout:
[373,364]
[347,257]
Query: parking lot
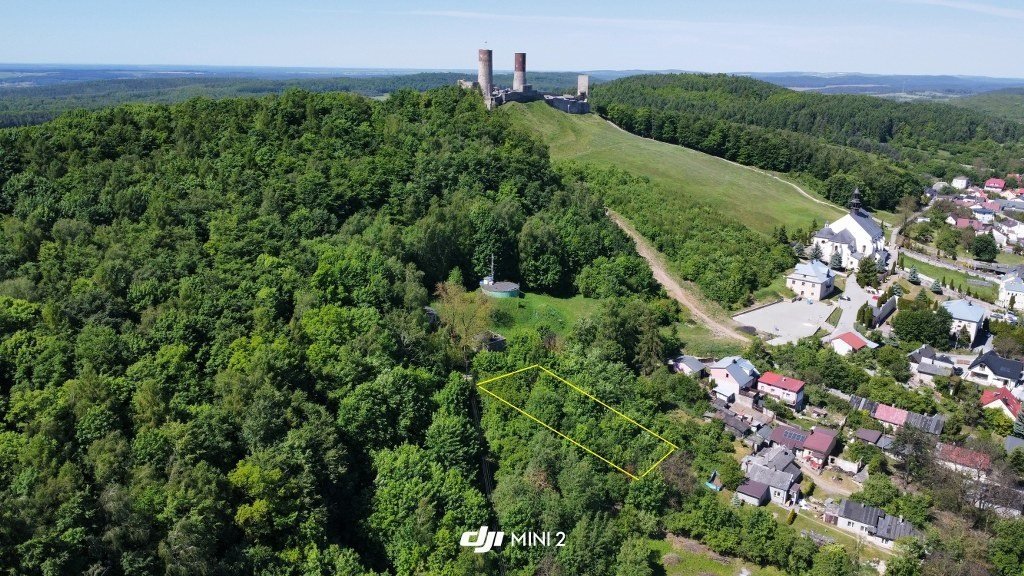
[787,321]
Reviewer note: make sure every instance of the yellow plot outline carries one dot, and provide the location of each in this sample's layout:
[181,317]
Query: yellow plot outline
[672,448]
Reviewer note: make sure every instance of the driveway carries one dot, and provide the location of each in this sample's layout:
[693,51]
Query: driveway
[787,321]
[857,296]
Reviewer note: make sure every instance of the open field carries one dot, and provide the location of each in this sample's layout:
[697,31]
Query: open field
[758,200]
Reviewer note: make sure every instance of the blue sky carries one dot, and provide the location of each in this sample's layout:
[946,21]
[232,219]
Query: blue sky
[983,37]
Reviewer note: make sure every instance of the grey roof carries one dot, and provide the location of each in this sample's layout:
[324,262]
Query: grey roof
[1002,367]
[841,237]
[774,478]
[739,368]
[930,424]
[690,362]
[776,457]
[1015,286]
[1012,443]
[738,426]
[926,352]
[964,310]
[852,510]
[867,223]
[815,270]
[765,432]
[885,442]
[893,528]
[934,369]
[754,489]
[870,436]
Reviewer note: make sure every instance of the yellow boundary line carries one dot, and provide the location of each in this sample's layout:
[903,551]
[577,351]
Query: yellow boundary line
[672,446]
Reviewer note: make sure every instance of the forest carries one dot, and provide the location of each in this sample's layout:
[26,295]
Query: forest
[32,105]
[888,149]
[215,356]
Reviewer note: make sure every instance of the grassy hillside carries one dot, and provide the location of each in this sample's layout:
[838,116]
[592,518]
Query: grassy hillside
[1007,103]
[685,176]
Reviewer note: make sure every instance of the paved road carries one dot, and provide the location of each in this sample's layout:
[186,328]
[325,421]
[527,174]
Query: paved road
[857,297]
[675,288]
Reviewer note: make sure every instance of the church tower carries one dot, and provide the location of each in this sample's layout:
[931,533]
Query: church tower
[855,201]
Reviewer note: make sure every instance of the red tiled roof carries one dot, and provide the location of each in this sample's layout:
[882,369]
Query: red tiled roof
[821,440]
[995,183]
[1001,395]
[993,206]
[965,223]
[890,414]
[780,381]
[853,339]
[964,457]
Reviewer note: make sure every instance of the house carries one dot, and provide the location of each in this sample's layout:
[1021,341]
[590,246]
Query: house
[982,214]
[688,365]
[776,457]
[969,462]
[1013,443]
[854,237]
[868,436]
[1000,399]
[819,446]
[960,182]
[966,316]
[812,280]
[850,342]
[760,438]
[928,355]
[731,376]
[978,226]
[873,523]
[894,417]
[926,373]
[991,369]
[995,185]
[790,437]
[1011,289]
[753,493]
[787,390]
[783,487]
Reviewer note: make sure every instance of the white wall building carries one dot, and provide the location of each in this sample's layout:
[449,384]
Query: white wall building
[1012,285]
[811,280]
[854,236]
[965,316]
[961,182]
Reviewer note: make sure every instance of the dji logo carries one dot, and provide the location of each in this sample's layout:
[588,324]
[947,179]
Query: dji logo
[483,540]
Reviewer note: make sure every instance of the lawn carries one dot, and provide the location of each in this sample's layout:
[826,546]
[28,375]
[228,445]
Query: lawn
[536,310]
[755,199]
[804,521]
[684,562]
[984,290]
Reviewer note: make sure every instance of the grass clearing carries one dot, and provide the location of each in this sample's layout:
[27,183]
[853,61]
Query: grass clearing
[804,522]
[679,561]
[686,177]
[983,289]
[536,310]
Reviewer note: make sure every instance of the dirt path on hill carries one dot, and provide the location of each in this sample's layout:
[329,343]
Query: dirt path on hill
[674,288]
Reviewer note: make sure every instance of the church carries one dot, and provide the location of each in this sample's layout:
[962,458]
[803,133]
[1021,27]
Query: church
[853,237]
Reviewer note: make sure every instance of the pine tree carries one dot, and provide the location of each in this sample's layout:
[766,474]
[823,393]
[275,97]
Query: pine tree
[836,261]
[1013,302]
[816,252]
[913,277]
[936,287]
[901,262]
[1018,425]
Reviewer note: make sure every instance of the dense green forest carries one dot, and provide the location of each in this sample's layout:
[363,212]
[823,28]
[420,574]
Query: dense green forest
[215,359]
[1007,103]
[887,148]
[24,106]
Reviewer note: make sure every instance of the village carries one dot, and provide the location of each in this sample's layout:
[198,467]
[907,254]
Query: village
[940,375]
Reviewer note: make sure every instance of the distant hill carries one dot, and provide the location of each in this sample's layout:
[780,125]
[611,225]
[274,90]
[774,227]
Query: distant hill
[38,103]
[896,87]
[1007,103]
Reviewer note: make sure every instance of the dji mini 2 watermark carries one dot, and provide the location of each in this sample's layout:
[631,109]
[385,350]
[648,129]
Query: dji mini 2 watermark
[483,540]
